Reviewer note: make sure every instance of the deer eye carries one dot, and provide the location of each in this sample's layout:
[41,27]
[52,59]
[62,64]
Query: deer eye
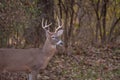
[53,37]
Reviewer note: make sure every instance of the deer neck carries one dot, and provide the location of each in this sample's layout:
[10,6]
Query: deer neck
[48,48]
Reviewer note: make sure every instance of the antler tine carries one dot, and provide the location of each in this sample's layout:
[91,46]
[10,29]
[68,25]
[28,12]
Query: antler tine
[45,22]
[42,23]
[45,26]
[58,21]
[48,24]
[59,26]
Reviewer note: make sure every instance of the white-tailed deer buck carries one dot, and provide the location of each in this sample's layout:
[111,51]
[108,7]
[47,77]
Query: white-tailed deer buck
[34,59]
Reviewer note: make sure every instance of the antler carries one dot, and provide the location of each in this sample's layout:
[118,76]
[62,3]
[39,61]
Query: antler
[45,26]
[59,26]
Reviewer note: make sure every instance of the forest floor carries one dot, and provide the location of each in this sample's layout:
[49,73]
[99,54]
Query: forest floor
[102,63]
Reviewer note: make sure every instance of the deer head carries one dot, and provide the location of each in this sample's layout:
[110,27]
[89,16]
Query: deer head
[53,37]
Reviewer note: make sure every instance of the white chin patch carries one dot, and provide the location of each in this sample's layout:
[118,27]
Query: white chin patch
[59,42]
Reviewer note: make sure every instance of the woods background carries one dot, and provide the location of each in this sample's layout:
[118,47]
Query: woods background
[86,22]
[91,36]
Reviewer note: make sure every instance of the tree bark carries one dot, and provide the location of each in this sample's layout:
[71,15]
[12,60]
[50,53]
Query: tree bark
[104,13]
[112,28]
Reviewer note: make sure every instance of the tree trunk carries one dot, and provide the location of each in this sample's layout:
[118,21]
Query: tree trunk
[104,11]
[112,28]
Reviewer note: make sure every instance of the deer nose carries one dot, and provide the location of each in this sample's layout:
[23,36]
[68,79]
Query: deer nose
[60,43]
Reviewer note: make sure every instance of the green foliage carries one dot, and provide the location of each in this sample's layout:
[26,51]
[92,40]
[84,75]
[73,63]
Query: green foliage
[118,1]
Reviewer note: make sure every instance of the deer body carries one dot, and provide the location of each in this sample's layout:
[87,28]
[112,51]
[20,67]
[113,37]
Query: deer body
[31,60]
[25,59]
[11,59]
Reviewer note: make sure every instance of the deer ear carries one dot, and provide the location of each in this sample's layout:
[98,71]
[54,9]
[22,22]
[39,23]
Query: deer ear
[59,32]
